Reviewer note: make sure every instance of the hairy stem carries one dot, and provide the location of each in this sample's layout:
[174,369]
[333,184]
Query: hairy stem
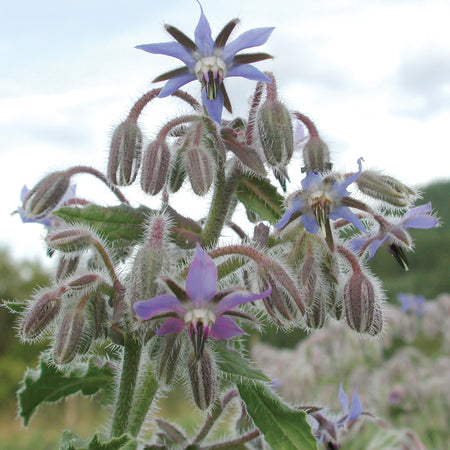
[130,367]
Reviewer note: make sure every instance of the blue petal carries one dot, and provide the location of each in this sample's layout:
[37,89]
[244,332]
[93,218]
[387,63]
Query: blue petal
[170,326]
[201,280]
[224,328]
[160,304]
[174,83]
[247,71]
[355,244]
[310,223]
[284,219]
[341,188]
[343,399]
[203,40]
[214,107]
[311,179]
[374,246]
[238,298]
[421,221]
[345,213]
[356,408]
[251,38]
[173,49]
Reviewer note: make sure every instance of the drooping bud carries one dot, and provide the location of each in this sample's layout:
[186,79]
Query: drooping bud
[155,166]
[125,153]
[46,195]
[385,188]
[316,155]
[67,265]
[72,238]
[96,314]
[68,338]
[360,297]
[202,376]
[177,171]
[41,313]
[276,132]
[200,169]
[167,352]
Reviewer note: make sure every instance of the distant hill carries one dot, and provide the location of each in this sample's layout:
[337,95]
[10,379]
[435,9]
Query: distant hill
[429,264]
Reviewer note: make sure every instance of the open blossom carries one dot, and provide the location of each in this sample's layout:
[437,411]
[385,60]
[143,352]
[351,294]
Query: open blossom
[393,235]
[210,61]
[321,199]
[49,219]
[327,431]
[204,311]
[411,303]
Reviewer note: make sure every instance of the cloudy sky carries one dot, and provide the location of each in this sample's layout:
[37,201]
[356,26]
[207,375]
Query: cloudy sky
[374,75]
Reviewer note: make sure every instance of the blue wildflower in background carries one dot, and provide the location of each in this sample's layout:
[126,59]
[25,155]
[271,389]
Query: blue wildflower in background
[210,61]
[411,303]
[204,311]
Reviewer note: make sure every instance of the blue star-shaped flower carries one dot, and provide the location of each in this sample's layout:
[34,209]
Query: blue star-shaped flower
[210,61]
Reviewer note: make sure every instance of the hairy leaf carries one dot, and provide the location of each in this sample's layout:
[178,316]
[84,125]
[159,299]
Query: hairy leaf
[283,427]
[70,441]
[49,384]
[235,366]
[259,196]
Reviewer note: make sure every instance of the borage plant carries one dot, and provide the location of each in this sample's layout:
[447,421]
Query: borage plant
[144,301]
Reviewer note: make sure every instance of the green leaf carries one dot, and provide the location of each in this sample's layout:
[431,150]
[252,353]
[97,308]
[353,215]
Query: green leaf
[48,384]
[124,225]
[259,196]
[70,441]
[235,366]
[14,306]
[284,428]
[121,224]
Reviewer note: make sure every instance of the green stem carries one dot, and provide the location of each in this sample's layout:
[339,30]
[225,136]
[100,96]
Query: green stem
[222,198]
[146,390]
[130,367]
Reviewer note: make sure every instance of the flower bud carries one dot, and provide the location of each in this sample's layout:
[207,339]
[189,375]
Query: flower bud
[46,195]
[125,153]
[85,282]
[316,155]
[200,169]
[41,313]
[67,265]
[202,375]
[385,188]
[276,132]
[167,352]
[96,314]
[68,338]
[177,171]
[70,239]
[316,305]
[360,302]
[155,166]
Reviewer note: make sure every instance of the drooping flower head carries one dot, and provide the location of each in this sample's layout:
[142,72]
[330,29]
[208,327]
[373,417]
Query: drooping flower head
[321,199]
[210,61]
[204,311]
[393,234]
[49,219]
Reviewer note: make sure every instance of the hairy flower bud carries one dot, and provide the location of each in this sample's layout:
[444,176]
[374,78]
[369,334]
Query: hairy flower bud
[177,171]
[96,314]
[46,195]
[125,153]
[70,239]
[386,188]
[200,169]
[202,376]
[155,166]
[276,132]
[360,296]
[67,265]
[41,313]
[68,338]
[167,351]
[316,155]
